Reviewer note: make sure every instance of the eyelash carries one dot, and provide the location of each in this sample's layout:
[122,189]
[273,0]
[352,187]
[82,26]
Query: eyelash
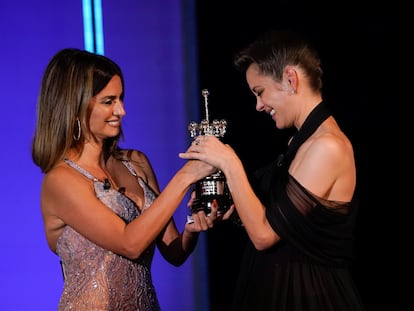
[108,102]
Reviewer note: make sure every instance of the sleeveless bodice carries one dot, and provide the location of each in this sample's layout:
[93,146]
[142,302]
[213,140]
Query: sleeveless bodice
[98,279]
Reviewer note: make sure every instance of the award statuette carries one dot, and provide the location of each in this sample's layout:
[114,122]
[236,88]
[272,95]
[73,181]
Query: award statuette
[212,187]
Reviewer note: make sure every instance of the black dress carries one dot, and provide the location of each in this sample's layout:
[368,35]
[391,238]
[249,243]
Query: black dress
[309,268]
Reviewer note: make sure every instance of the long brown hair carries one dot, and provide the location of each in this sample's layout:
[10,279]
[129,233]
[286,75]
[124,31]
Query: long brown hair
[71,79]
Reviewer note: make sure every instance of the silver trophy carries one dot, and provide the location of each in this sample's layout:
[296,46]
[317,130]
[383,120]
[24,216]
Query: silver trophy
[213,187]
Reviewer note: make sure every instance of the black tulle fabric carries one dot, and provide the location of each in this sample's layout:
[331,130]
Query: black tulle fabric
[309,268]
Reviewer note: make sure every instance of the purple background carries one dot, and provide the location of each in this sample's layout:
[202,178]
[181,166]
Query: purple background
[152,42]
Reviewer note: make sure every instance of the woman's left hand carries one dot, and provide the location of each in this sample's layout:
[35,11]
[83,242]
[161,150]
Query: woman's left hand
[200,221]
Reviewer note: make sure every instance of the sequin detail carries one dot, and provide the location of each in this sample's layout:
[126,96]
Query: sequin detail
[98,279]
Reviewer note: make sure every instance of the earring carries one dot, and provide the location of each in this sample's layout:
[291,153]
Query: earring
[292,91]
[79,131]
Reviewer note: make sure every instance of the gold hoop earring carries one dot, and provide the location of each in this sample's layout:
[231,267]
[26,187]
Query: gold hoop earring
[79,131]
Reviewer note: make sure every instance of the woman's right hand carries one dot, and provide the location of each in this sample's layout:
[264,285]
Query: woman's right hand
[198,169]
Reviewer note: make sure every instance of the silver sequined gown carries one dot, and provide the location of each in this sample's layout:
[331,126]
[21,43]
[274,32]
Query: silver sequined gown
[98,279]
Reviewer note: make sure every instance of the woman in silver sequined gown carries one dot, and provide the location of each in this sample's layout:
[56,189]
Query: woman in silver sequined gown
[102,208]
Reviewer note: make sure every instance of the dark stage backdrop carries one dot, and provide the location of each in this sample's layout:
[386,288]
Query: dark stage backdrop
[362,45]
[154,43]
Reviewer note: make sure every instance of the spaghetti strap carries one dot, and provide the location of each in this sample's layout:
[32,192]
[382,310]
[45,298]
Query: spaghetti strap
[80,169]
[130,168]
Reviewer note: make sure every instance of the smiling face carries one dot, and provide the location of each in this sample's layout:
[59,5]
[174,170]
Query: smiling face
[107,110]
[271,97]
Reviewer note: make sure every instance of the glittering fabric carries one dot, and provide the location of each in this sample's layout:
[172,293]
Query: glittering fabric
[98,279]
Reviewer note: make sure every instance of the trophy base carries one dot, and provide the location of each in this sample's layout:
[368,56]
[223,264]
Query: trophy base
[209,189]
[205,203]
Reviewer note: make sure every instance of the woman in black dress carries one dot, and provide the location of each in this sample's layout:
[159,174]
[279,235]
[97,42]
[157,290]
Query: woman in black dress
[299,212]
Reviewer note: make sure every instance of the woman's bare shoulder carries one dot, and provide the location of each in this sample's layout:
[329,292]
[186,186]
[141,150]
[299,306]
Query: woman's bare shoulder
[65,183]
[59,174]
